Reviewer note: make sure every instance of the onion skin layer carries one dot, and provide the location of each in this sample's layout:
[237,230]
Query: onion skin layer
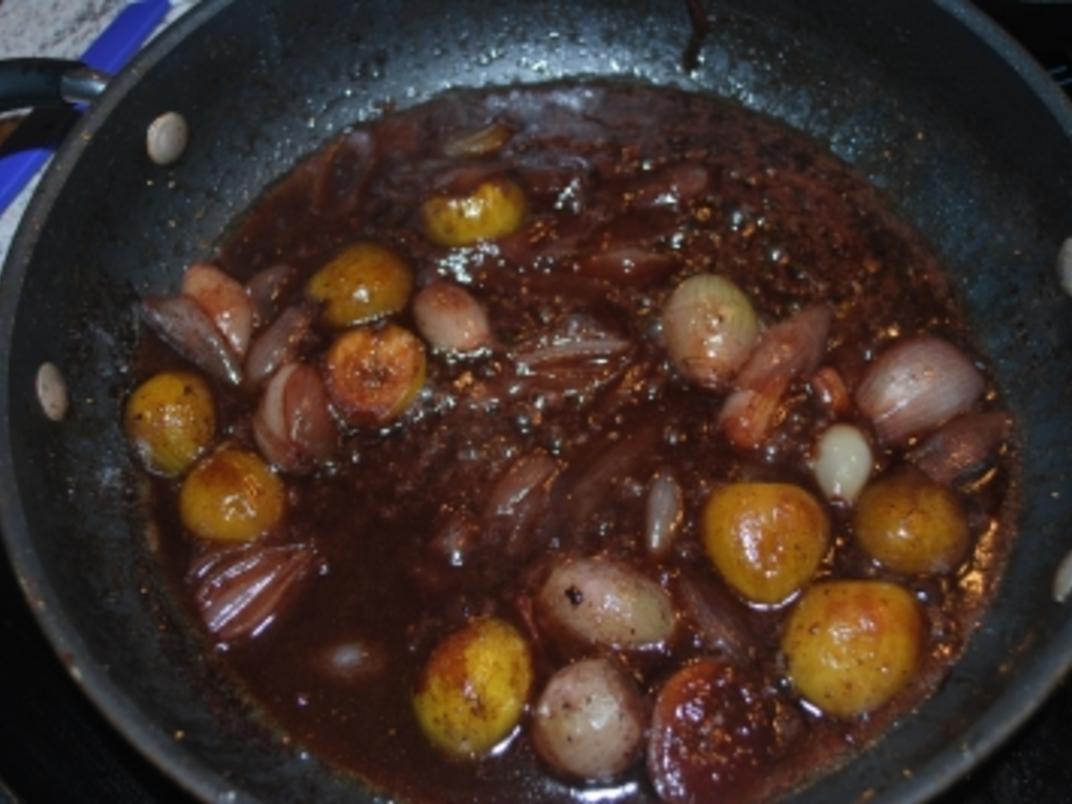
[915,386]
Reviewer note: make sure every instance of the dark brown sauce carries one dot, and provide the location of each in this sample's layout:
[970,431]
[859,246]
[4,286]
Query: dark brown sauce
[783,219]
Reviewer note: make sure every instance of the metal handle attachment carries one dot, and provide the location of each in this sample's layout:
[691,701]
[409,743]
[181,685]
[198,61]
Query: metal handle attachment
[47,82]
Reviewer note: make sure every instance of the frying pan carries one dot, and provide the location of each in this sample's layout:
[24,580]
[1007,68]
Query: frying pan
[982,167]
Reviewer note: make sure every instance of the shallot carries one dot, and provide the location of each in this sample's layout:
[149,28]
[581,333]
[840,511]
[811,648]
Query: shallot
[587,485]
[786,351]
[481,142]
[267,289]
[917,385]
[528,475]
[518,505]
[963,446]
[671,185]
[716,615]
[450,319]
[831,391]
[628,264]
[241,592]
[224,300]
[710,329]
[293,425]
[184,325]
[339,185]
[598,601]
[278,344]
[843,462]
[579,338]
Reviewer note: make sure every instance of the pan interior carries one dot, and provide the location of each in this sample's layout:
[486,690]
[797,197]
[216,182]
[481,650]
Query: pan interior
[980,169]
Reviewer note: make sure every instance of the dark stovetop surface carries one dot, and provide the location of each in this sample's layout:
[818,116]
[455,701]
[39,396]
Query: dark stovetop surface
[55,747]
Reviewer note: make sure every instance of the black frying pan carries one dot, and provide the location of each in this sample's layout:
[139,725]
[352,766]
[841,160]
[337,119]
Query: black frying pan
[983,169]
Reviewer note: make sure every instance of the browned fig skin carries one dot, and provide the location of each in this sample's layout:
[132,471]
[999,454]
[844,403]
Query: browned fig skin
[373,375]
[345,168]
[712,735]
[572,438]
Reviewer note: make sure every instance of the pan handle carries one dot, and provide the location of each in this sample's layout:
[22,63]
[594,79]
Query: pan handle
[47,82]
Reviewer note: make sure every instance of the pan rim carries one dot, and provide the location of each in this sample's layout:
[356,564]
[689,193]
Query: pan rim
[1005,715]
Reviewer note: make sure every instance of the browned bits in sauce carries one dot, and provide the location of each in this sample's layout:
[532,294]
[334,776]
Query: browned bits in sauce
[527,450]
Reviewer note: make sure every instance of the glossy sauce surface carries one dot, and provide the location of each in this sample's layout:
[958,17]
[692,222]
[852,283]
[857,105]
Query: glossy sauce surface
[408,547]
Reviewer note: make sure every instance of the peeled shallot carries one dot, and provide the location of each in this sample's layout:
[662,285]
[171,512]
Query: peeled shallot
[293,425]
[224,300]
[915,386]
[450,319]
[710,329]
[184,325]
[241,592]
[787,350]
[278,344]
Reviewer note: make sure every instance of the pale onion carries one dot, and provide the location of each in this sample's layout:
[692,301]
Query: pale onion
[663,514]
[590,719]
[843,462]
[293,427]
[184,325]
[450,319]
[915,386]
[224,300]
[604,602]
[710,329]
